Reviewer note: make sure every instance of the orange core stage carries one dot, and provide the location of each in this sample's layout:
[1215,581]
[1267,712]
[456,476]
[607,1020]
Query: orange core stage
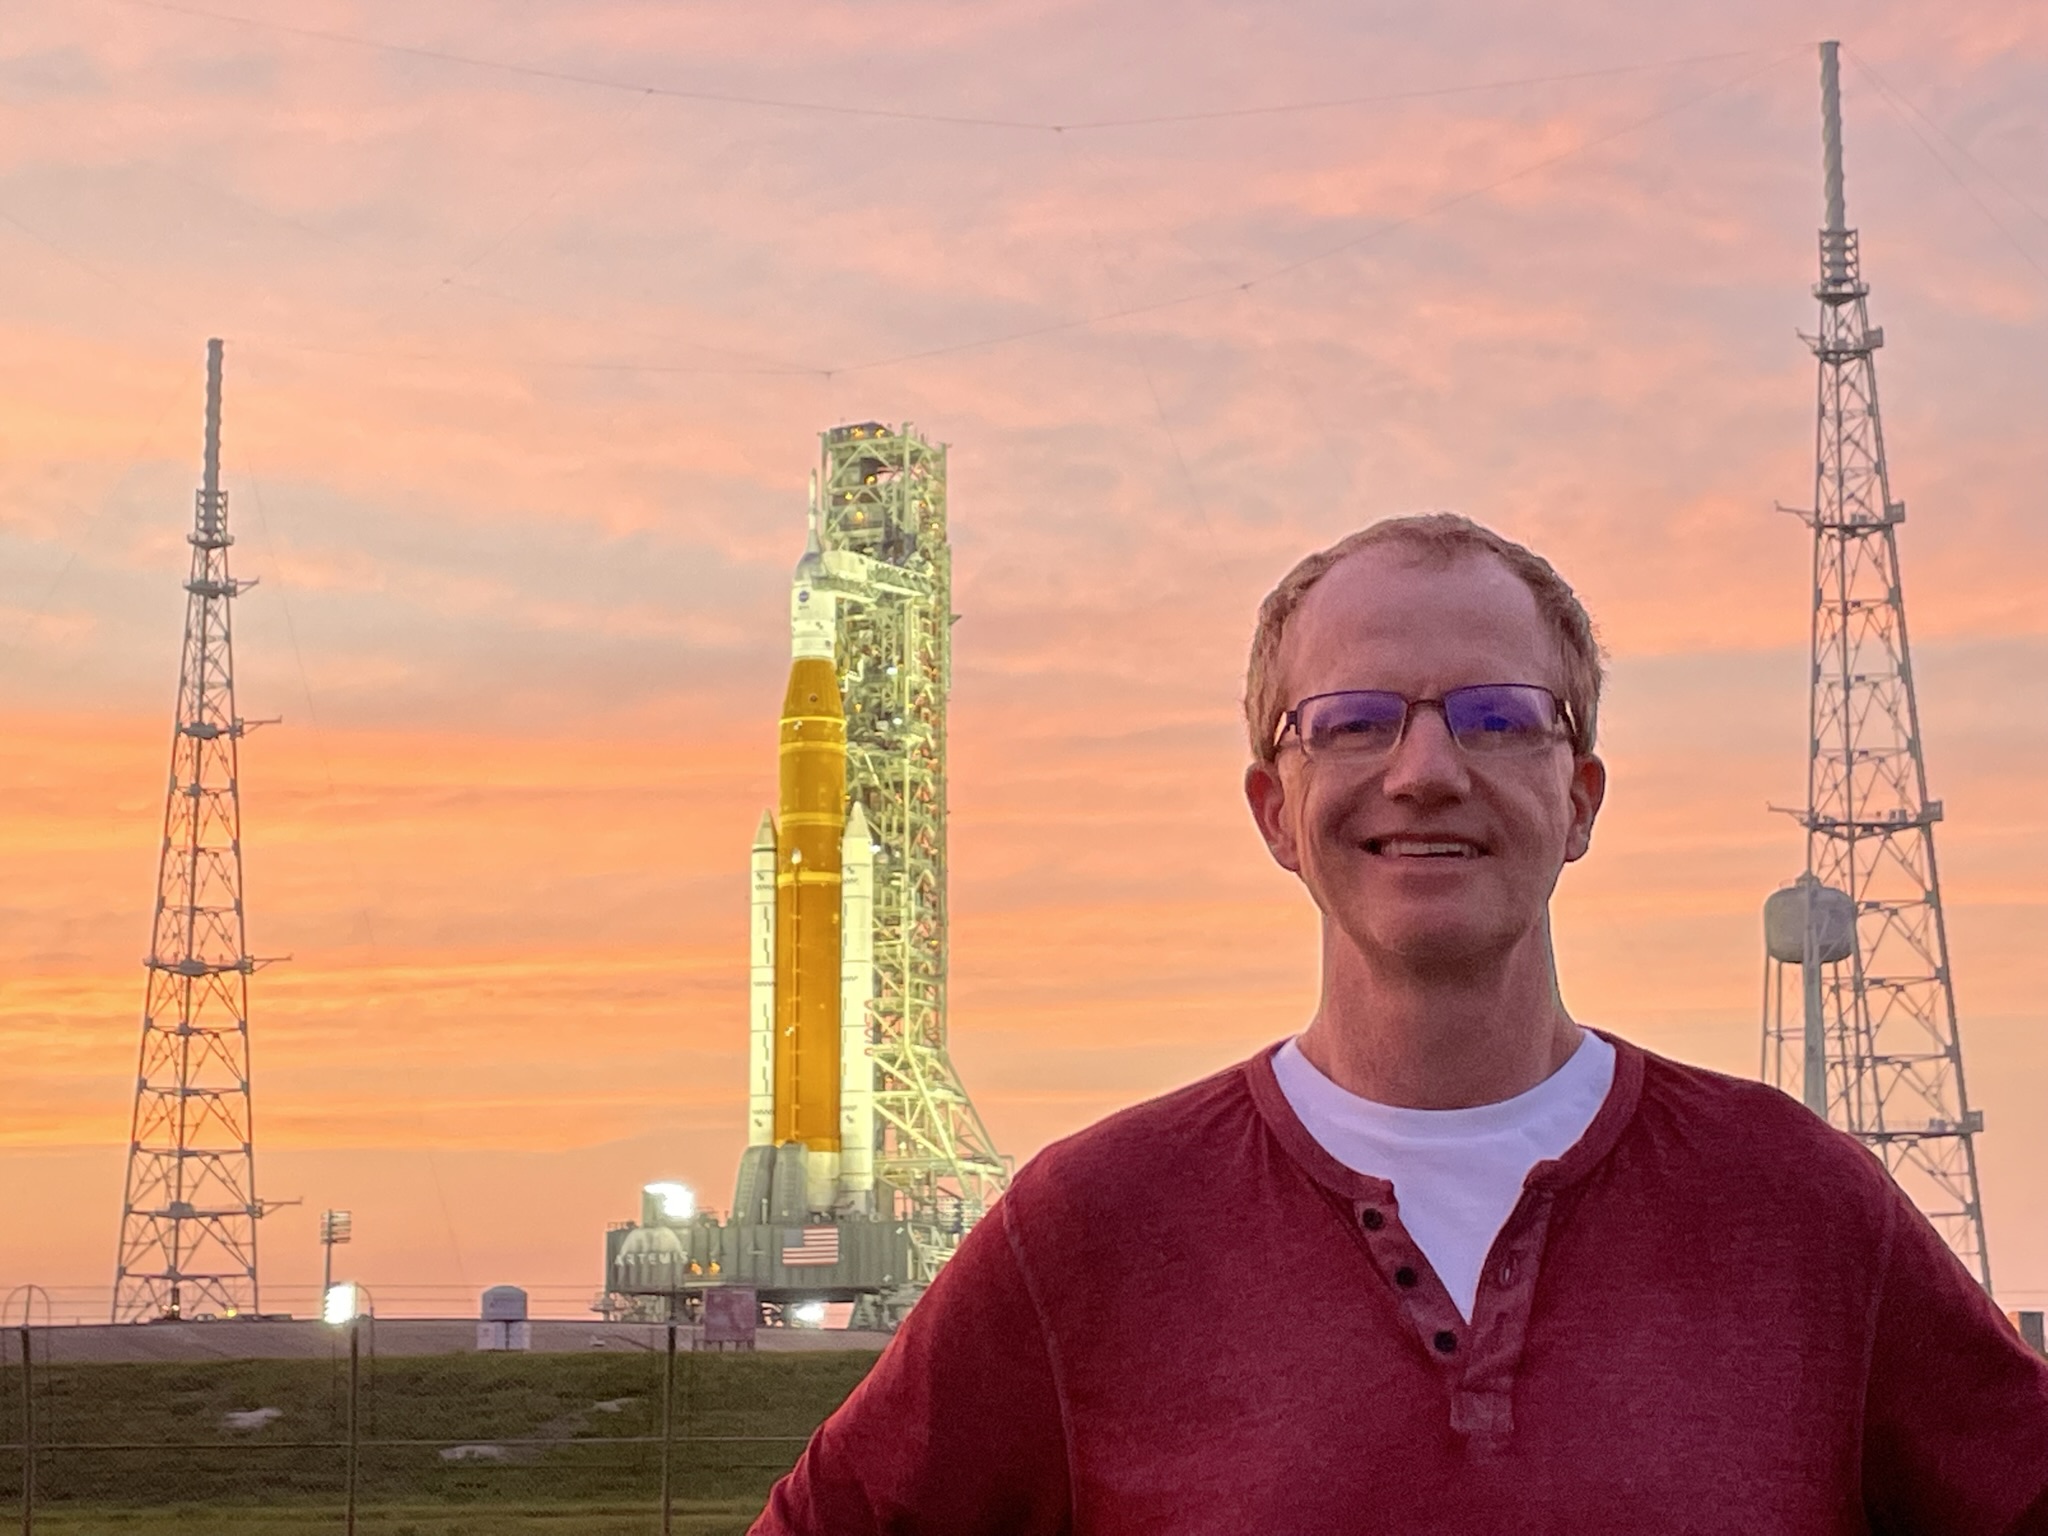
[810,825]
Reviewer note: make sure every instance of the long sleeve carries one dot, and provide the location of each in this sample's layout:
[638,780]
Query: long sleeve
[958,1429]
[1956,1411]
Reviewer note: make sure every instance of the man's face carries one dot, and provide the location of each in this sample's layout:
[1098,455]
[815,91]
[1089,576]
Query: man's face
[1368,839]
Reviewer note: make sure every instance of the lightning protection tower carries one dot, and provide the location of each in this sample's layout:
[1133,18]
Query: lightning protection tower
[189,1210]
[882,494]
[1872,1046]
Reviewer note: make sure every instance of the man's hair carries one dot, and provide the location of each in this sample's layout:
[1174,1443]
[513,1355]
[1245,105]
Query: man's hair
[1438,538]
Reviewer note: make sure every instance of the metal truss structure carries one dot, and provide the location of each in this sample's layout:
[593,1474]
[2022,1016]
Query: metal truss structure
[189,1209]
[1882,1016]
[881,494]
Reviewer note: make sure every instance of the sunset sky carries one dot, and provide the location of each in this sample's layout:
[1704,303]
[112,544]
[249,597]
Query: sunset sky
[533,314]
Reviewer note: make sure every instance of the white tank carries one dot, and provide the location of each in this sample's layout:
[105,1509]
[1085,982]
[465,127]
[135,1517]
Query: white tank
[503,1304]
[1834,923]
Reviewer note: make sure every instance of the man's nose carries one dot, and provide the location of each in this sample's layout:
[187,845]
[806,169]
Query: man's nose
[1426,763]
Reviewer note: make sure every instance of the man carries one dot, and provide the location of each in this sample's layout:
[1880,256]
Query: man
[1445,1262]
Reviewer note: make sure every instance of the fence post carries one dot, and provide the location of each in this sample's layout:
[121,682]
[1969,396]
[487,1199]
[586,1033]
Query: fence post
[355,1361]
[28,1435]
[668,1410]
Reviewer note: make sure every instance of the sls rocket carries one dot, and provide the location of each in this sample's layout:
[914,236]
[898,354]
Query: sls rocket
[811,924]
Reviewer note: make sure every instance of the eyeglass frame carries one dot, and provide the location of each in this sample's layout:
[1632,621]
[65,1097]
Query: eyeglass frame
[1567,729]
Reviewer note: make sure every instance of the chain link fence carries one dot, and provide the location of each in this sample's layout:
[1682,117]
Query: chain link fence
[649,1435]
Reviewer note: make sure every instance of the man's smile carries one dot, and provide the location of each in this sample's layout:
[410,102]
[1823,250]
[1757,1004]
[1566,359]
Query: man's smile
[1403,846]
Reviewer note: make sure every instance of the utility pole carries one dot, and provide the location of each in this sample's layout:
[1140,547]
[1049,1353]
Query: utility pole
[189,1209]
[1874,1048]
[336,1227]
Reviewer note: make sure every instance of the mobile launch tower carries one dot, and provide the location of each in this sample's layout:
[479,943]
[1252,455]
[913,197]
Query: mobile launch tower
[881,521]
[866,1162]
[1871,1044]
[189,1209]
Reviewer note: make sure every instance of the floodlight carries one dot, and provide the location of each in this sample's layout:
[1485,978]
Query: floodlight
[340,1305]
[678,1201]
[808,1314]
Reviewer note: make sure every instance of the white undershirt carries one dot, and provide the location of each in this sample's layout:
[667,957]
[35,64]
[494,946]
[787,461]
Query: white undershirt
[1457,1173]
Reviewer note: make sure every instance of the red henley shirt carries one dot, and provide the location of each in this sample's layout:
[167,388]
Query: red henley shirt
[1712,1315]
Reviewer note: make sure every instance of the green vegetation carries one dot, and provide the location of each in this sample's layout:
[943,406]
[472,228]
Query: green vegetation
[729,1518]
[449,1445]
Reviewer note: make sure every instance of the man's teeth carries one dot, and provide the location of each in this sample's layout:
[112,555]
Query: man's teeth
[1421,848]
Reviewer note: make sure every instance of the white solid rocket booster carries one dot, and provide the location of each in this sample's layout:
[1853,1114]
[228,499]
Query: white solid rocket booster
[761,989]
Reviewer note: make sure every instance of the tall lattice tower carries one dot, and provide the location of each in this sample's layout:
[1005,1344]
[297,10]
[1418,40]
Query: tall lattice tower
[882,495]
[189,1212]
[1873,1045]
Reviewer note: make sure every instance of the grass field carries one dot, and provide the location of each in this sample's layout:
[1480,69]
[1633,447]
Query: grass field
[727,1518]
[447,1445]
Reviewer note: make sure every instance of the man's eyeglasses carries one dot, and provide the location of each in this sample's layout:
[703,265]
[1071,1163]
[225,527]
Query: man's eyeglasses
[1491,719]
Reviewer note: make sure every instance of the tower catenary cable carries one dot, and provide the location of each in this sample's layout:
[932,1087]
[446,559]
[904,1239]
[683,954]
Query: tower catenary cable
[1872,1043]
[189,1209]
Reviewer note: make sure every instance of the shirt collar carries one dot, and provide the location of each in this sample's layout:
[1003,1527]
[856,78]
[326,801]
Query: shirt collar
[1580,1159]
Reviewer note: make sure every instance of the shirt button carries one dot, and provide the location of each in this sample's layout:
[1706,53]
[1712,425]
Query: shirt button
[1507,1273]
[1405,1278]
[1446,1342]
[1371,1219]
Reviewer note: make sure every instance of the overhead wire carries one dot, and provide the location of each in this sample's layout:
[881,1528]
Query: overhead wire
[75,546]
[1131,311]
[1905,114]
[1287,268]
[456,278]
[1384,98]
[1233,286]
[560,185]
[348,847]
[1303,396]
[1901,100]
[575,77]
[901,114]
[1119,312]
[71,259]
[1152,389]
[563,364]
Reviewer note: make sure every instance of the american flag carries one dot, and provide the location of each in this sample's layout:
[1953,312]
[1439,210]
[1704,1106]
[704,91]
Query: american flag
[810,1245]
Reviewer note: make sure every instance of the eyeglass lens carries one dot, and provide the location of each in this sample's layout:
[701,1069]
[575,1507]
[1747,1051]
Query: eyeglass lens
[1489,717]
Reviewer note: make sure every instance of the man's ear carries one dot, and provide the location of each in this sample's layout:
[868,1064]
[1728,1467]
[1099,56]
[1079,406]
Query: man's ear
[1267,796]
[1589,790]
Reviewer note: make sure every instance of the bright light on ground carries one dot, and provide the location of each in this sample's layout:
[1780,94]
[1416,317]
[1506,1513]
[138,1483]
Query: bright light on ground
[338,1306]
[678,1201]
